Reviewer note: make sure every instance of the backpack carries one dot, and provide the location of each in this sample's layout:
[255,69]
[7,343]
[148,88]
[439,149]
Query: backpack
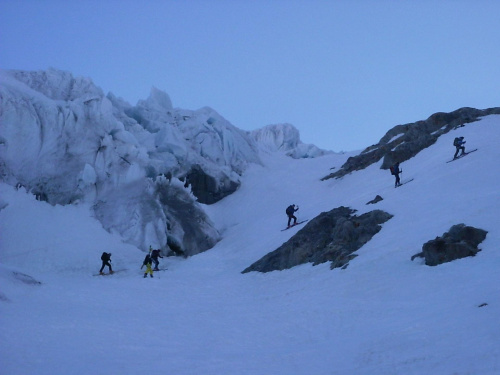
[393,170]
[290,210]
[104,256]
[147,260]
[456,142]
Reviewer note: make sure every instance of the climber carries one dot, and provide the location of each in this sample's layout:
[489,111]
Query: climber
[147,263]
[155,254]
[459,144]
[395,171]
[106,261]
[290,213]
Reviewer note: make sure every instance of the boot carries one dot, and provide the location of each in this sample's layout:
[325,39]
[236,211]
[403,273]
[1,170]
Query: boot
[151,275]
[145,275]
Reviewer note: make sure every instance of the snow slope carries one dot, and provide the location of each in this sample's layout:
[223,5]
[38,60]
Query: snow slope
[384,314]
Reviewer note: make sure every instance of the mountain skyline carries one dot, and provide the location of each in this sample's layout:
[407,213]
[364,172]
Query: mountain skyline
[341,72]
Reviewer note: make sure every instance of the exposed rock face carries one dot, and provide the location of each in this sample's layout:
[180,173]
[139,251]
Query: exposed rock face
[331,236]
[461,241]
[405,141]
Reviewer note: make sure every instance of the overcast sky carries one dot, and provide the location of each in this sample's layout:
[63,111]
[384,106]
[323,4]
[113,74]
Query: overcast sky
[342,72]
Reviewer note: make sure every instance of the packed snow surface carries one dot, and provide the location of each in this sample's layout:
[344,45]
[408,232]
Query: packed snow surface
[384,314]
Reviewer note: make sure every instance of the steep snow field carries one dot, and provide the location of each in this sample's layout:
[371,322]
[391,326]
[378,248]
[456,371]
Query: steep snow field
[384,314]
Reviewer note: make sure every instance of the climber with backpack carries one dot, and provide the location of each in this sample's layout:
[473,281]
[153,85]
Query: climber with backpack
[155,254]
[106,261]
[395,171]
[290,210]
[459,144]
[147,262]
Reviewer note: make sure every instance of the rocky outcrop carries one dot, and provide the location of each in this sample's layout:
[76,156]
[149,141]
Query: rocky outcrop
[459,242]
[332,236]
[375,200]
[405,141]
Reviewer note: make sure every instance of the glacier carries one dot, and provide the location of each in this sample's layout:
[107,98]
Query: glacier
[145,170]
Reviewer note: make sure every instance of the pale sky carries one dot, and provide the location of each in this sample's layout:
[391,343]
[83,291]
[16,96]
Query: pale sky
[342,72]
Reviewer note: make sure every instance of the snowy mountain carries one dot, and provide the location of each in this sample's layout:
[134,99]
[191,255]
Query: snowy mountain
[141,167]
[384,314]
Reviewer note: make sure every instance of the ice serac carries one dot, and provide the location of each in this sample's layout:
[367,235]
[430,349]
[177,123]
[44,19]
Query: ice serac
[285,138]
[144,169]
[199,146]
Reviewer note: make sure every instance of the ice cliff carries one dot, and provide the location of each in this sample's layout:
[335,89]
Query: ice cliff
[66,142]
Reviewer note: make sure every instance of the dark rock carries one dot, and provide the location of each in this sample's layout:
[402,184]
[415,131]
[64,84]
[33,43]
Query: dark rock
[331,236]
[459,242]
[377,199]
[405,141]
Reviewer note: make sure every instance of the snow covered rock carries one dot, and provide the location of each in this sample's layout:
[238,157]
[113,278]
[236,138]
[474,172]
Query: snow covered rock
[14,280]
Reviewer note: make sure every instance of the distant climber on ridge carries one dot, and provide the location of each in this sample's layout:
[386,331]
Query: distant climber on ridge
[290,213]
[459,144]
[395,171]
